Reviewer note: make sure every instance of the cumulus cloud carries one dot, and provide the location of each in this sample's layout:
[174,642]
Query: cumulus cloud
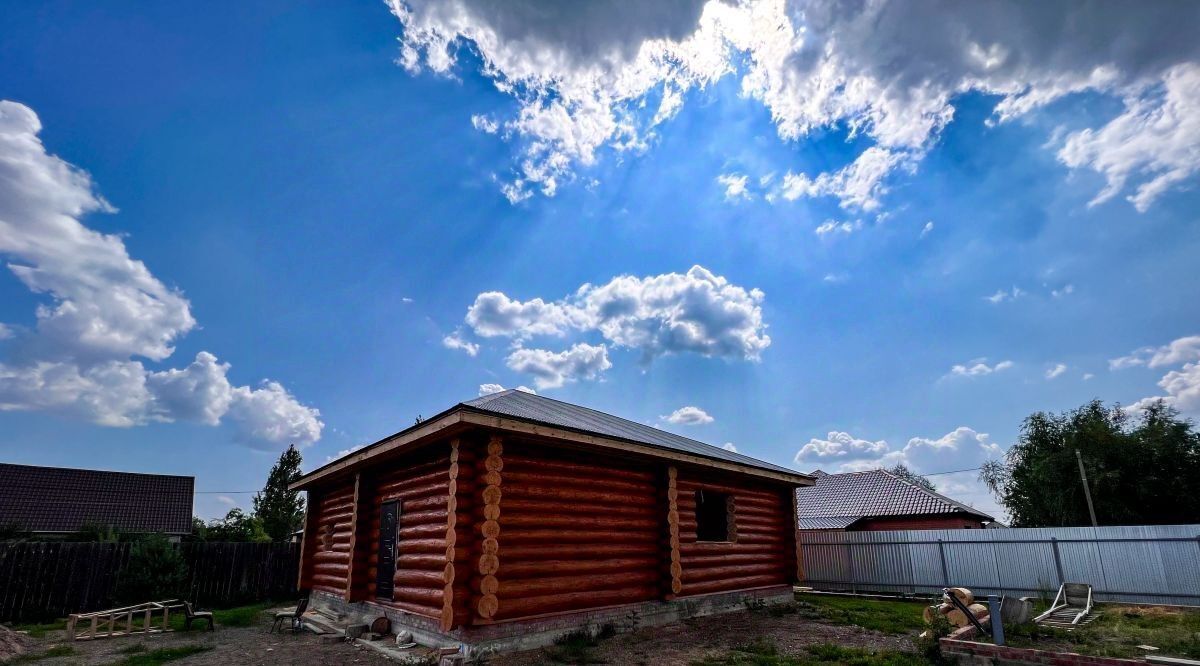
[927,229]
[696,312]
[456,341]
[553,369]
[688,416]
[729,446]
[978,368]
[103,310]
[841,452]
[839,445]
[590,78]
[1062,292]
[1057,370]
[734,185]
[488,389]
[1175,352]
[1181,385]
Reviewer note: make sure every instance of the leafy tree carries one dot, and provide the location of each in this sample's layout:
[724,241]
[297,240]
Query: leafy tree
[901,470]
[236,526]
[1139,469]
[281,510]
[155,572]
[14,532]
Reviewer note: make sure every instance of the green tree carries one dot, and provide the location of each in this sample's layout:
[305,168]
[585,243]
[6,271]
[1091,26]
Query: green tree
[1139,468]
[155,571]
[93,532]
[281,510]
[236,526]
[901,470]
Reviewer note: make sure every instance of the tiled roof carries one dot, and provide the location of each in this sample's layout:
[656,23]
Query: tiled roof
[59,499]
[531,407]
[873,493]
[827,522]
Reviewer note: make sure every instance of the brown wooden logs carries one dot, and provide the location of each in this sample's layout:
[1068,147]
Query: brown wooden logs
[674,563]
[510,589]
[489,531]
[573,600]
[586,551]
[516,569]
[449,573]
[732,584]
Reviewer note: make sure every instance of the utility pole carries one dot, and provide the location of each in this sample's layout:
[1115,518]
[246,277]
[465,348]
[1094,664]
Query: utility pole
[1087,493]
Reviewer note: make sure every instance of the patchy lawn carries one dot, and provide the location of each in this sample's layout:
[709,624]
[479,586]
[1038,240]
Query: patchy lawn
[1118,631]
[766,654]
[886,615]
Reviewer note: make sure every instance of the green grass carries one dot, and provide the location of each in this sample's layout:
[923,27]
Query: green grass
[162,655]
[241,616]
[1118,631]
[56,651]
[766,654]
[891,617]
[576,647]
[38,630]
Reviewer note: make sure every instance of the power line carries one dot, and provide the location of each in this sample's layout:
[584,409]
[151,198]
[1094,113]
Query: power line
[953,471]
[225,492]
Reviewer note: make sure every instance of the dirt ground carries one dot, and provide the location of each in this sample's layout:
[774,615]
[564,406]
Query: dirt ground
[231,646]
[676,644]
[682,643]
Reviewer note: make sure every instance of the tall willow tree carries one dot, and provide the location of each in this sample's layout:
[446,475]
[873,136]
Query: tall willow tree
[281,511]
[1141,469]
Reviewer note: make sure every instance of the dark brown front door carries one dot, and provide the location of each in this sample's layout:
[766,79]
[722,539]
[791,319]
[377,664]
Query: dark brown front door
[389,516]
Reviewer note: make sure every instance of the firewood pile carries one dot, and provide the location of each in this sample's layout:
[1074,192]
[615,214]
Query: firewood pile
[951,612]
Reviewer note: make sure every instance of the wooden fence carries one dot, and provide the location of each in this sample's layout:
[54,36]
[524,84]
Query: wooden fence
[42,581]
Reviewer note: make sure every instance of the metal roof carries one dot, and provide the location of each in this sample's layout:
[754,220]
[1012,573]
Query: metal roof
[60,499]
[531,407]
[827,522]
[870,494]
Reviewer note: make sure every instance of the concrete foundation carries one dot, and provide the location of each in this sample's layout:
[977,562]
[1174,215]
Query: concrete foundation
[516,635]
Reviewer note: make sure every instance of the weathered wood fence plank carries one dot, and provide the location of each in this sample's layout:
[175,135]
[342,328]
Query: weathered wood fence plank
[42,581]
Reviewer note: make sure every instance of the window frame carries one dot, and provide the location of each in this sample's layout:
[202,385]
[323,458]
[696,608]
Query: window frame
[730,520]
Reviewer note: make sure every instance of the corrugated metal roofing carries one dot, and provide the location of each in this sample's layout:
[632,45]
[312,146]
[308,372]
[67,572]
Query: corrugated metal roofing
[59,499]
[871,494]
[531,407]
[827,522]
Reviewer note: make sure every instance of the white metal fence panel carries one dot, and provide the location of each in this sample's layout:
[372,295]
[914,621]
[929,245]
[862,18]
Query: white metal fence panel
[1136,564]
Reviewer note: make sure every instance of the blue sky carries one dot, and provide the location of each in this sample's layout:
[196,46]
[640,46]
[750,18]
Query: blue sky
[326,197]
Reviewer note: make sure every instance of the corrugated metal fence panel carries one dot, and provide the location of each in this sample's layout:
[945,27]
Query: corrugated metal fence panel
[1135,564]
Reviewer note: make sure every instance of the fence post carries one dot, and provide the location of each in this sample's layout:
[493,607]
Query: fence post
[945,569]
[850,563]
[1058,559]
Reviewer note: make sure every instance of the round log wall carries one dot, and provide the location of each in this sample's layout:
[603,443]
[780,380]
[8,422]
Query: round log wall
[757,554]
[422,485]
[330,562]
[573,532]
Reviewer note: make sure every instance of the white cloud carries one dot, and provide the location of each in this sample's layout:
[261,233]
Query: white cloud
[590,78]
[839,445]
[688,416]
[729,446]
[695,312]
[488,389]
[226,500]
[485,124]
[553,369]
[1057,370]
[6,332]
[1156,140]
[927,229]
[343,453]
[1001,295]
[735,186]
[835,278]
[1175,352]
[1064,291]
[1087,376]
[456,341]
[978,367]
[833,226]
[961,438]
[105,308]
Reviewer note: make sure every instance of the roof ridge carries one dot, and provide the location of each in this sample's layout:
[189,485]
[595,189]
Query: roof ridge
[98,471]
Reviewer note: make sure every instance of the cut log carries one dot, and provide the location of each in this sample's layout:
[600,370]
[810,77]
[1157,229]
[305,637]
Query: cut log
[964,595]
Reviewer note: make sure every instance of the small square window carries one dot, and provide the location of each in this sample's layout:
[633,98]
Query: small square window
[714,516]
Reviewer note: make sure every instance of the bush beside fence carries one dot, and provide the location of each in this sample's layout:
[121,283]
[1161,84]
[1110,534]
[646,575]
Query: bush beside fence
[47,580]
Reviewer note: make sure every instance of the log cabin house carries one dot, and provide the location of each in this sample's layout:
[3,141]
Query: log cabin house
[512,518]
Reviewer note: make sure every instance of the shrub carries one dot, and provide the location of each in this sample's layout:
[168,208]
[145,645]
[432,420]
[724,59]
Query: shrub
[155,571]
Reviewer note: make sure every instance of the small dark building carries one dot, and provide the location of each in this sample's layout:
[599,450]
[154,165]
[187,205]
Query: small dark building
[506,520]
[58,501]
[878,500]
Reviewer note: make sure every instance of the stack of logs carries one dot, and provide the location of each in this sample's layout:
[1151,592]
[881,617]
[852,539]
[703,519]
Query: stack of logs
[951,612]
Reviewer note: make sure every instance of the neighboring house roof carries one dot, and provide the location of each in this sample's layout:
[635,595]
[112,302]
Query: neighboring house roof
[838,500]
[60,499]
[539,408]
[520,407]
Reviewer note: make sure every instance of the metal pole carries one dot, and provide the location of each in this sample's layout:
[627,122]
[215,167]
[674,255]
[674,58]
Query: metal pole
[945,569]
[1058,560]
[997,624]
[1087,493]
